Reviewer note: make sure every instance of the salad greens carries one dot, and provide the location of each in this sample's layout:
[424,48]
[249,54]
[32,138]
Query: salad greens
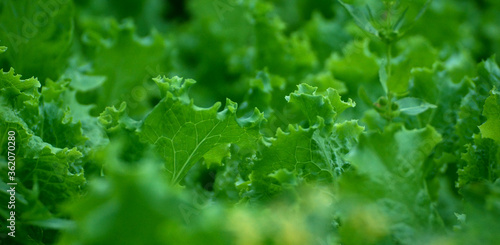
[249,122]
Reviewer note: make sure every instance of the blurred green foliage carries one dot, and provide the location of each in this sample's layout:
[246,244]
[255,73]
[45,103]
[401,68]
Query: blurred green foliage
[310,122]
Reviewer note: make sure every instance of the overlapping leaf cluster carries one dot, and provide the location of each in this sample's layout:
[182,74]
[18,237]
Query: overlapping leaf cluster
[310,122]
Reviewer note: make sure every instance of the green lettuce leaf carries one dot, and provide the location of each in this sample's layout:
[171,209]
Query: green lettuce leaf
[116,46]
[473,103]
[34,32]
[183,133]
[491,128]
[313,154]
[390,180]
[49,170]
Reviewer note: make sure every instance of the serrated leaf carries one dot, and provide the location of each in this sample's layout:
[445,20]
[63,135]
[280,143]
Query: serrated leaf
[113,118]
[44,160]
[55,172]
[316,107]
[315,154]
[310,153]
[12,85]
[183,133]
[491,128]
[472,104]
[482,162]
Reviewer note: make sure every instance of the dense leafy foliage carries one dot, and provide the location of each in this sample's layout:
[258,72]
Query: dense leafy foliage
[250,122]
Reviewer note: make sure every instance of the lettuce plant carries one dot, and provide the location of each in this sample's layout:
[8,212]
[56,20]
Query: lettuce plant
[249,122]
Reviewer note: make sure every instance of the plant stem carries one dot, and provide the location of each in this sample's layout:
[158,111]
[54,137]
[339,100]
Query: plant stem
[389,73]
[389,60]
